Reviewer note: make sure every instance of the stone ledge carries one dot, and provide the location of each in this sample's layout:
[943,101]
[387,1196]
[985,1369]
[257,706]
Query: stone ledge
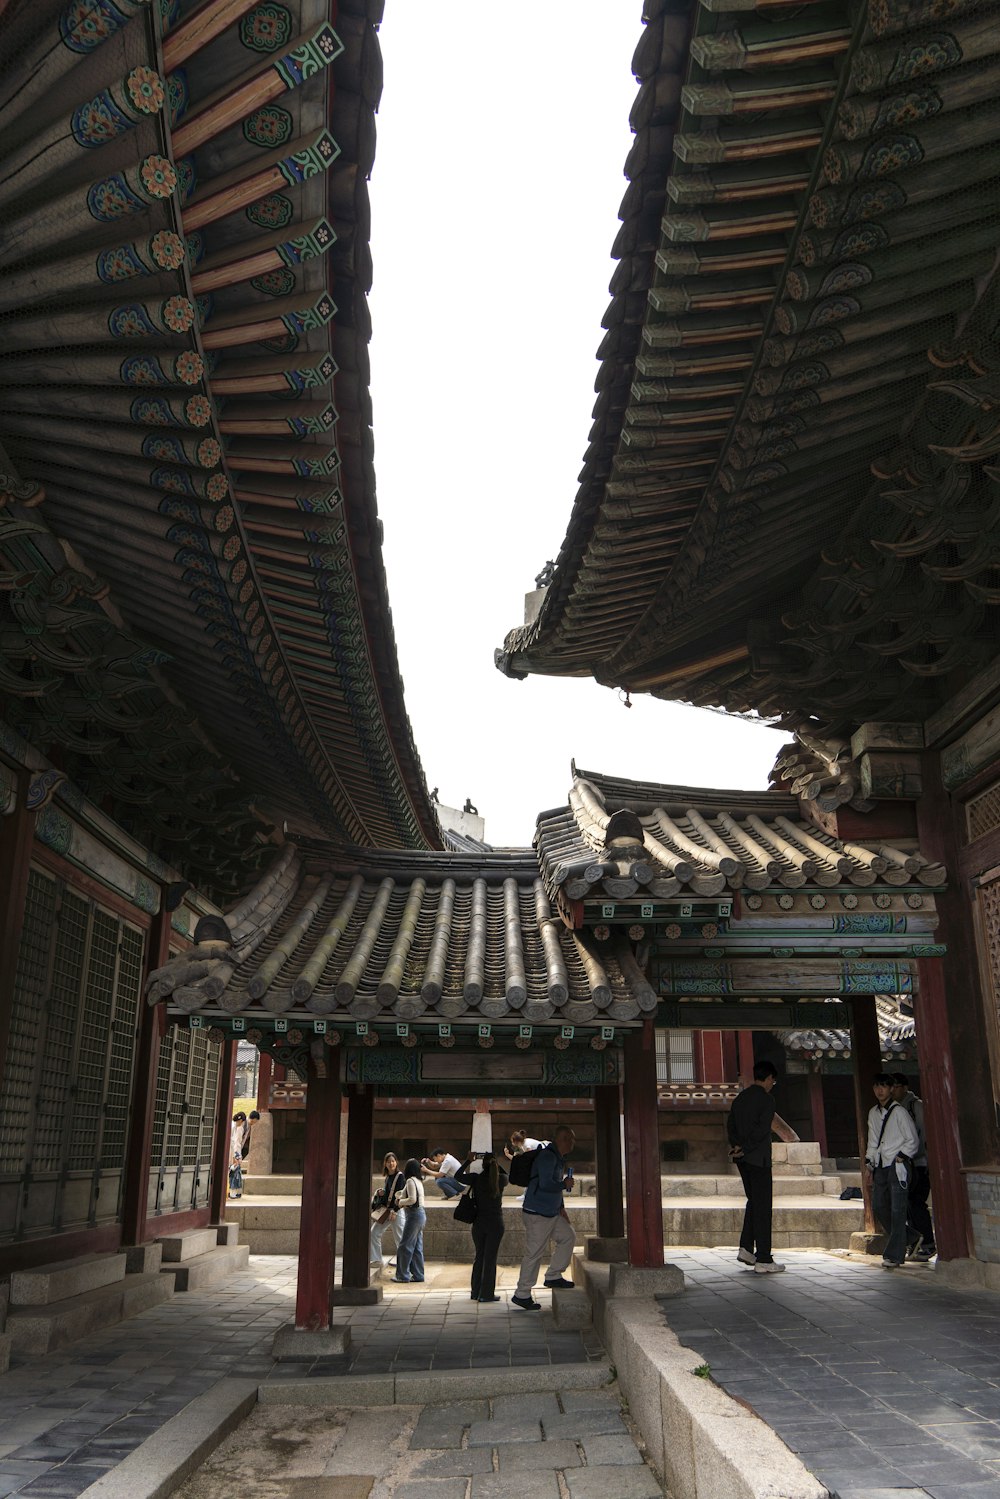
[705,1444]
[295,1343]
[968,1275]
[221,1261]
[434,1388]
[633,1280]
[161,1464]
[68,1278]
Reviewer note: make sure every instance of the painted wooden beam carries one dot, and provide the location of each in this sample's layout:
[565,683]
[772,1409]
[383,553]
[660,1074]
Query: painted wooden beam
[194,33]
[262,182]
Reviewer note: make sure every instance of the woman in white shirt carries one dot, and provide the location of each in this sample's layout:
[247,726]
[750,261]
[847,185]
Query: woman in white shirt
[410,1253]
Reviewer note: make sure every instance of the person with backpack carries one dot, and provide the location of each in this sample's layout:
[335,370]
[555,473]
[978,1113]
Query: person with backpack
[893,1143]
[919,1227]
[486,1194]
[544,1217]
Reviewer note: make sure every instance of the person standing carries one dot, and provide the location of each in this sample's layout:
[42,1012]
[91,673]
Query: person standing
[388,1215]
[410,1253]
[442,1167]
[544,1217]
[919,1227]
[749,1127]
[486,1190]
[893,1143]
[236,1154]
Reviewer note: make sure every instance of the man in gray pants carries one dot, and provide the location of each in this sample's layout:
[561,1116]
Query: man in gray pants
[544,1218]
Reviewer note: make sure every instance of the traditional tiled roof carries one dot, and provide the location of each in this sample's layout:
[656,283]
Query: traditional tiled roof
[184,227]
[621,839]
[363,935]
[788,504]
[897,1035]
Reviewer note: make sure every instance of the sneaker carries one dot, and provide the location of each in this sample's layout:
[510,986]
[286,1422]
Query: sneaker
[391,1265]
[559,1284]
[891,1264]
[768,1267]
[527,1303]
[923,1254]
[490,1298]
[746,1258]
[912,1245]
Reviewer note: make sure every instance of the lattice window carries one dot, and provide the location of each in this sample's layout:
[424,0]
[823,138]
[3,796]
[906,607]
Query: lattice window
[177,1102]
[62,1011]
[674,1056]
[162,1095]
[982,812]
[92,1053]
[988,899]
[191,1152]
[123,1035]
[17,1102]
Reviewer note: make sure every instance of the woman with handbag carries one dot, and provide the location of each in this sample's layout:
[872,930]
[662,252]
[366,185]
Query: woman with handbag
[385,1214]
[486,1193]
[410,1254]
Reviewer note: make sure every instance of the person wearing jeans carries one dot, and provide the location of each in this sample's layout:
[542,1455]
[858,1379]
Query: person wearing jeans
[410,1254]
[442,1167]
[893,1142]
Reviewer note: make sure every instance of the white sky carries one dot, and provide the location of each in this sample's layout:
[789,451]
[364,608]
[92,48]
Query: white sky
[502,136]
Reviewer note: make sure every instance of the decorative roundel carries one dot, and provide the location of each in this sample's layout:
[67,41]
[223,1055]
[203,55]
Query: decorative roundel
[272,661]
[370,1038]
[710,930]
[178,314]
[883,901]
[522,1042]
[295,1038]
[216,489]
[753,902]
[167,249]
[255,625]
[158,176]
[410,1039]
[333,1038]
[245,595]
[849,901]
[561,1043]
[239,571]
[231,548]
[254,1036]
[446,1040]
[786,901]
[818,902]
[189,367]
[145,89]
[486,1042]
[914,901]
[264,643]
[636,933]
[198,410]
[672,931]
[208,452]
[602,932]
[215,1034]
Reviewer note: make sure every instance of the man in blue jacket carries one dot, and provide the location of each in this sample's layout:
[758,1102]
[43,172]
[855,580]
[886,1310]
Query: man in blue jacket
[544,1217]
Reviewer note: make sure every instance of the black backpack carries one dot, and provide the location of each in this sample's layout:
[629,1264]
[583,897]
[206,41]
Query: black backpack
[521,1167]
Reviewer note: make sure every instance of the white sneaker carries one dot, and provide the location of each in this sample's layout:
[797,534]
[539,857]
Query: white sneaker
[746,1258]
[768,1267]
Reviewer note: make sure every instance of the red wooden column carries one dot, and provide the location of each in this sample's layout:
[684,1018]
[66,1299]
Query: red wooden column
[642,1151]
[866,1060]
[730,1056]
[318,1221]
[939,1090]
[608,1160]
[817,1111]
[744,1045]
[152,1027]
[358,1189]
[16,835]
[223,1127]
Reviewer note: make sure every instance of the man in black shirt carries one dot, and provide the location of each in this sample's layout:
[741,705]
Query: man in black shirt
[751,1120]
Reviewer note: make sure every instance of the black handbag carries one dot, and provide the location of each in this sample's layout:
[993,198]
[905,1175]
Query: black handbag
[379,1200]
[466,1210]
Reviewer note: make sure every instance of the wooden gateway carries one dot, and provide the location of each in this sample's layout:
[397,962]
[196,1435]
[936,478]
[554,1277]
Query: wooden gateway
[789,504]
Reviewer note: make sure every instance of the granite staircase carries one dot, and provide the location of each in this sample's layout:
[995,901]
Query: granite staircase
[58,1303]
[203,1257]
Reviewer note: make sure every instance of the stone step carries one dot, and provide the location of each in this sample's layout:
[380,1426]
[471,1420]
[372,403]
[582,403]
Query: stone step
[191,1245]
[39,1329]
[65,1279]
[274,1186]
[209,1269]
[4,1352]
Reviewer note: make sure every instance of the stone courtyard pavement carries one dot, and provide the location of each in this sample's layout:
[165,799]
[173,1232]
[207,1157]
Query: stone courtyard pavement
[885,1383]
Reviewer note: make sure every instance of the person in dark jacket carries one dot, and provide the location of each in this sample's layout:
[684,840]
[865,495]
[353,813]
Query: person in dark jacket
[749,1126]
[486,1190]
[544,1217]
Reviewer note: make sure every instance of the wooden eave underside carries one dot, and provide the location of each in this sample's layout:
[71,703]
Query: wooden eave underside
[192,397]
[798,373]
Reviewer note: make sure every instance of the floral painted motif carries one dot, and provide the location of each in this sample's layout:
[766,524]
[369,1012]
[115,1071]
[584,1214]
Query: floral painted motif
[933,54]
[177,94]
[198,410]
[145,89]
[286,344]
[269,127]
[98,121]
[217,487]
[163,449]
[231,549]
[158,176]
[151,411]
[177,481]
[189,367]
[205,303]
[167,249]
[266,29]
[209,452]
[195,247]
[186,177]
[888,156]
[120,264]
[245,595]
[272,212]
[178,314]
[143,369]
[85,24]
[224,518]
[274,283]
[132,321]
[112,198]
[239,572]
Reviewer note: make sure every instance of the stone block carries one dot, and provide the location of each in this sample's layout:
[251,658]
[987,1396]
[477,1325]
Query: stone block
[536,1406]
[431,1488]
[519,1458]
[779,1153]
[441,1427]
[356,1295]
[190,1245]
[803,1152]
[865,1243]
[538,1485]
[485,1384]
[143,1259]
[68,1278]
[227,1233]
[454,1463]
[339,1390]
[606,1251]
[961,1275]
[4,1352]
[633,1280]
[495,1433]
[623,1483]
[261,1154]
[570,1309]
[293,1343]
[576,1425]
[210,1269]
[266,1185]
[615,1450]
